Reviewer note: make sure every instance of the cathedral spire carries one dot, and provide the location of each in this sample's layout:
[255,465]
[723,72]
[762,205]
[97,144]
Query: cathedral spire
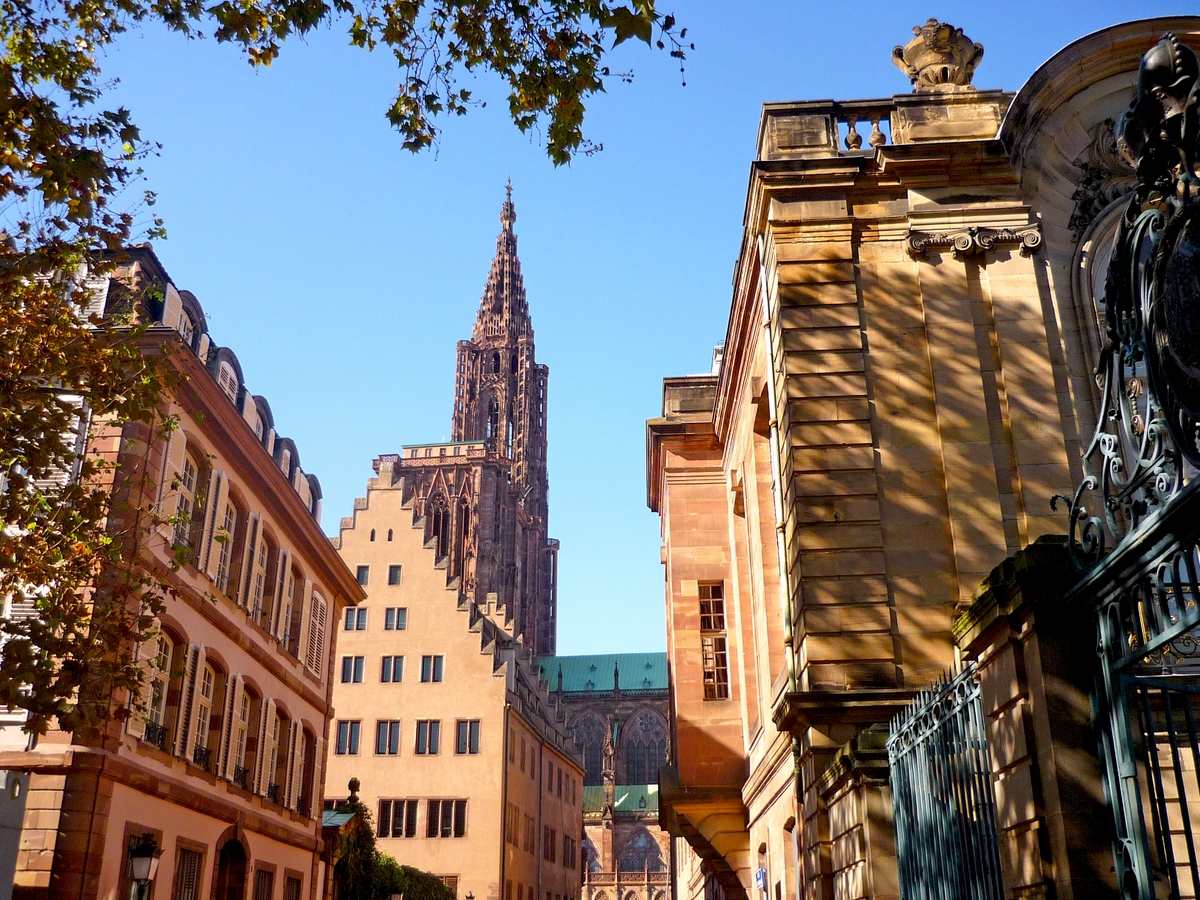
[502,309]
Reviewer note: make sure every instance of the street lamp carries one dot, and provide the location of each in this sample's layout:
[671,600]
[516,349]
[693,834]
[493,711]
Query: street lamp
[143,864]
[470,896]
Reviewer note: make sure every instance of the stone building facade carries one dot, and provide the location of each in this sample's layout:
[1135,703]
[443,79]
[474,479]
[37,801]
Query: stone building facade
[907,373]
[616,710]
[441,711]
[221,761]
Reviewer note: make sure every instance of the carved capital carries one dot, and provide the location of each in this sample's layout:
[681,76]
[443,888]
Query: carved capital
[969,241]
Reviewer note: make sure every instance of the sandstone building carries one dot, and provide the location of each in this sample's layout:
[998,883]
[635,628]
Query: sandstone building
[221,763]
[918,311]
[441,711]
[616,710]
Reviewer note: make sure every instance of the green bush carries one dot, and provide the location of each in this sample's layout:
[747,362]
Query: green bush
[363,873]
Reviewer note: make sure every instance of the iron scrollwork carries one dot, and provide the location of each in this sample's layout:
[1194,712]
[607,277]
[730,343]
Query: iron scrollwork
[1145,444]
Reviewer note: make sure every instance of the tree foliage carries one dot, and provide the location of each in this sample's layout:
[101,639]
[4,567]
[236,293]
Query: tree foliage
[363,873]
[69,173]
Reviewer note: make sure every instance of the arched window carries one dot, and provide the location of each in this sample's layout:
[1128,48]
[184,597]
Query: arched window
[493,423]
[389,534]
[641,854]
[160,680]
[187,329]
[265,560]
[206,689]
[372,534]
[496,363]
[508,443]
[645,748]
[513,364]
[589,735]
[439,515]
[241,734]
[231,538]
[189,510]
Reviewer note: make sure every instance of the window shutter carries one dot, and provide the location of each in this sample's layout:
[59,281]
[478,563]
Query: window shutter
[247,569]
[295,749]
[216,500]
[302,616]
[168,495]
[266,721]
[233,696]
[314,789]
[315,655]
[284,568]
[195,662]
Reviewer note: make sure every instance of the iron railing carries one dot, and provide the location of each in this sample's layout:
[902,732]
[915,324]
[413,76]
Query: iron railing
[157,735]
[241,777]
[944,804]
[201,756]
[273,792]
[303,807]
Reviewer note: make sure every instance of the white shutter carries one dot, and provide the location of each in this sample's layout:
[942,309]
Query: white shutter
[247,569]
[295,749]
[183,725]
[216,518]
[233,698]
[301,616]
[266,725]
[208,522]
[168,494]
[283,570]
[314,789]
[314,657]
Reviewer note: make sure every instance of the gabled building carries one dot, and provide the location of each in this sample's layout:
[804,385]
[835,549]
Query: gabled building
[441,710]
[221,761]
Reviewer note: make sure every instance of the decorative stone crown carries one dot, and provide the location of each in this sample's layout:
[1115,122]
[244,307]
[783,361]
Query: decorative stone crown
[939,58]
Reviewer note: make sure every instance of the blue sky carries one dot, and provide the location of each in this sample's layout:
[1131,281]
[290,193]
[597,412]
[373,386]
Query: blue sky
[343,270]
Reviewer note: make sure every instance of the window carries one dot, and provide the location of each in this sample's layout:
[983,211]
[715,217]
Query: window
[468,736]
[549,844]
[356,618]
[352,669]
[189,509]
[530,835]
[393,574]
[242,731]
[512,819]
[293,887]
[450,881]
[372,534]
[395,618]
[364,574]
[347,738]
[204,705]
[397,818]
[160,679]
[264,884]
[714,654]
[392,670]
[446,818]
[225,541]
[431,668]
[187,875]
[560,781]
[568,852]
[522,753]
[549,775]
[389,534]
[387,737]
[429,735]
[314,657]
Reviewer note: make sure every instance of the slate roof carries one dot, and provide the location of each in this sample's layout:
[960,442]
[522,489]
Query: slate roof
[628,798]
[639,671]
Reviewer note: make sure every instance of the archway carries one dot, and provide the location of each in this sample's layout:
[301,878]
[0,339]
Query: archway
[231,871]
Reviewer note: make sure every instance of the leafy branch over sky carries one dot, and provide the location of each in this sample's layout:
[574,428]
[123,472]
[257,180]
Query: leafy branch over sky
[79,378]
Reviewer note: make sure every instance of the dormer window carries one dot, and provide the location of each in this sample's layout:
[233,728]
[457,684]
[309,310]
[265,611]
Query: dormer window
[187,328]
[228,381]
[258,427]
[285,460]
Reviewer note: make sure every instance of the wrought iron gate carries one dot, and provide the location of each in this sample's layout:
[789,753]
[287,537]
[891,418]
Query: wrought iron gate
[1139,470]
[945,811]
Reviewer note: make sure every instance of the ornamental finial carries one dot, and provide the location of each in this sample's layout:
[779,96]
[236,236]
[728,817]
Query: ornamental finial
[508,213]
[938,58]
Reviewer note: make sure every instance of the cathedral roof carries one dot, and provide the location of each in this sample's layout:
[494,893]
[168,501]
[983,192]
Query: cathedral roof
[626,798]
[638,671]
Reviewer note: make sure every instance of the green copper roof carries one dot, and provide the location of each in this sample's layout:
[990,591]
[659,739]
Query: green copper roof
[627,797]
[639,671]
